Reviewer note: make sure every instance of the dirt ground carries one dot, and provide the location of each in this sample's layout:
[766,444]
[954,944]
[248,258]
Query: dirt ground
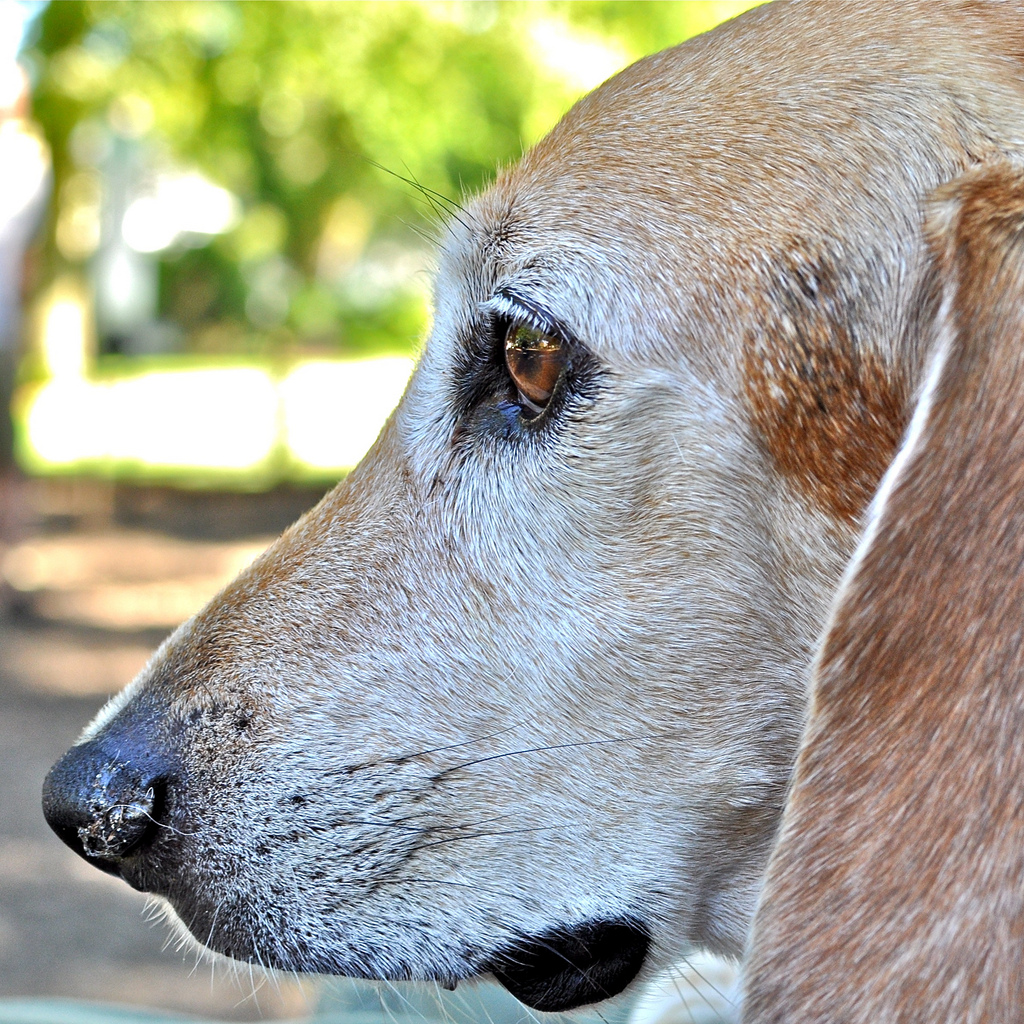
[94,578]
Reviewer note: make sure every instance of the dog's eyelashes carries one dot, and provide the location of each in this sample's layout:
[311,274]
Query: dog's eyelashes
[535,361]
[520,371]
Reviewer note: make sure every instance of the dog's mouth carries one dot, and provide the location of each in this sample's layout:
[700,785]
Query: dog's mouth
[556,970]
[568,967]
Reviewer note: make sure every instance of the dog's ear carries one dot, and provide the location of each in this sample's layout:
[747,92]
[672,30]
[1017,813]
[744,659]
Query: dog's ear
[896,891]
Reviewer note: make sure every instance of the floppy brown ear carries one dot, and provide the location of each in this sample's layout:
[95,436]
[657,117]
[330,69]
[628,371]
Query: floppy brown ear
[896,891]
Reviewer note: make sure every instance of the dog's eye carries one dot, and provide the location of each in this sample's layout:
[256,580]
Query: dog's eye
[535,361]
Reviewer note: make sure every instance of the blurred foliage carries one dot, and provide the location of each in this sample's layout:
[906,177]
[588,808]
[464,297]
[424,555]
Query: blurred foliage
[296,108]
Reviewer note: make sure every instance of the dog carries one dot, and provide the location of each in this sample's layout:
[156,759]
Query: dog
[523,695]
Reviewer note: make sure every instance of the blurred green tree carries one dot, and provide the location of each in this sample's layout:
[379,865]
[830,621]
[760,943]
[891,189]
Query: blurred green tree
[296,109]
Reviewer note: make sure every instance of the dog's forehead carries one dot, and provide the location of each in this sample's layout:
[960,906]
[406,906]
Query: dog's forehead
[678,188]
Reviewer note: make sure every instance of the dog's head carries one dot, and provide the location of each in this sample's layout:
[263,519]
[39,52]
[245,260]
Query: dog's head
[522,695]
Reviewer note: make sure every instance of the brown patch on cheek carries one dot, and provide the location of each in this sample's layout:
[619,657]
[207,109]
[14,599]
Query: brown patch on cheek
[829,414]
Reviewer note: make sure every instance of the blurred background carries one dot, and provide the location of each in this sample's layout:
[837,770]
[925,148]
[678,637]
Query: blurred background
[217,222]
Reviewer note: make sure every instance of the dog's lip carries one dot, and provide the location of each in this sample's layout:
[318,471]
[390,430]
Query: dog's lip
[136,871]
[569,966]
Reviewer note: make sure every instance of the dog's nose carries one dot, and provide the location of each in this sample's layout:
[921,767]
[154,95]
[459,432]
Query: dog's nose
[104,806]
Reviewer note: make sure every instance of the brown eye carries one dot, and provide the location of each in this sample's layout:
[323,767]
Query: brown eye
[535,361]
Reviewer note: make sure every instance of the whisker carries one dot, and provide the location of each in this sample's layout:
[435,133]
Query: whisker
[465,743]
[447,200]
[422,830]
[486,835]
[707,983]
[162,824]
[444,882]
[647,738]
[400,759]
[449,208]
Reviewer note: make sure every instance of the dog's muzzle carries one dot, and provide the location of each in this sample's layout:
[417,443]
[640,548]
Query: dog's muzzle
[124,800]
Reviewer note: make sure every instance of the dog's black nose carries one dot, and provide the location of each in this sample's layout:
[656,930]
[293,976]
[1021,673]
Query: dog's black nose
[104,806]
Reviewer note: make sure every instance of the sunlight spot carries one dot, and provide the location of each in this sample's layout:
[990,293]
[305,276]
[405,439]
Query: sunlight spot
[582,60]
[180,205]
[334,411]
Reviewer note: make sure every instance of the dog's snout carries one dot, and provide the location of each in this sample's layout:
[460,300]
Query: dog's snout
[104,806]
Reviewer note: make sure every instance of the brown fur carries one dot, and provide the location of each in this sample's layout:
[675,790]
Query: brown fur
[829,414]
[896,892]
